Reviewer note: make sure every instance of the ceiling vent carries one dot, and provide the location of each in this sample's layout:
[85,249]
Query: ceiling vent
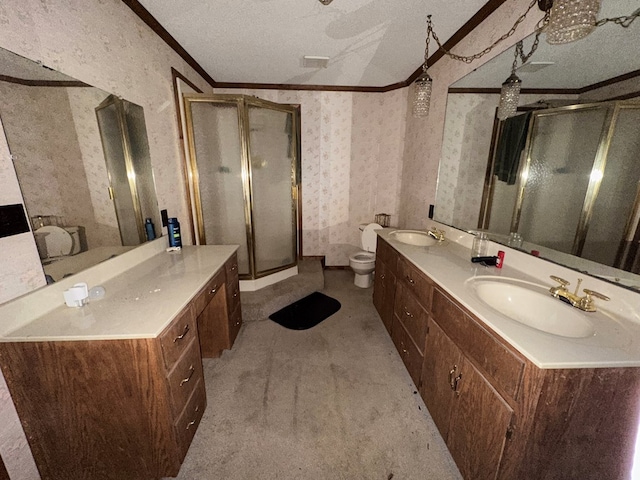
[534,66]
[311,61]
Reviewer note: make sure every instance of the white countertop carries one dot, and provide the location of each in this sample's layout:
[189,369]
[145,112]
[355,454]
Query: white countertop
[139,303]
[616,342]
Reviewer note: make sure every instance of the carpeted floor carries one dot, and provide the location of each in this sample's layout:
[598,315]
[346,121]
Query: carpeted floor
[332,402]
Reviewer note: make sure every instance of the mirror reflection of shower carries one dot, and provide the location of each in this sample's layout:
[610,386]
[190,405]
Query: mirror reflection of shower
[49,121]
[587,152]
[126,152]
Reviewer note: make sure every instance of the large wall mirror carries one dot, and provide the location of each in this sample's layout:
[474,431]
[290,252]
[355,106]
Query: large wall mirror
[82,160]
[570,187]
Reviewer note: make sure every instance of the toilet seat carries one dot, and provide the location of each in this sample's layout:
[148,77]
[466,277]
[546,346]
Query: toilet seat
[57,240]
[362,257]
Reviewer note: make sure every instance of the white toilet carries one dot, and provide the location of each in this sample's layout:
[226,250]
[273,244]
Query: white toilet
[364,263]
[54,242]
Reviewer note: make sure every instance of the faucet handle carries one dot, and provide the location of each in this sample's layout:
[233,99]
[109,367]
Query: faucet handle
[586,303]
[593,293]
[560,280]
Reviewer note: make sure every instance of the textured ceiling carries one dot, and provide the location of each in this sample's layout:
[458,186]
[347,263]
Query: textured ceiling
[607,52]
[370,43]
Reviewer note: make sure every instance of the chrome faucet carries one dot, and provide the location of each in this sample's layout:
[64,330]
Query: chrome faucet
[437,234]
[585,303]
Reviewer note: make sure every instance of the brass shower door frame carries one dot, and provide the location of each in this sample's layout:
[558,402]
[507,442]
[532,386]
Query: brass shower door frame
[128,161]
[242,104]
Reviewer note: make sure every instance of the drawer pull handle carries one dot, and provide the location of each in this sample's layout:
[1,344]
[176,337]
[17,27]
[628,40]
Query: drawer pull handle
[455,384]
[184,332]
[191,372]
[410,280]
[382,276]
[452,372]
[407,312]
[233,267]
[405,351]
[214,290]
[191,424]
[237,323]
[235,294]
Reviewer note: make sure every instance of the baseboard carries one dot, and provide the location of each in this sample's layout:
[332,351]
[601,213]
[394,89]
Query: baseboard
[322,259]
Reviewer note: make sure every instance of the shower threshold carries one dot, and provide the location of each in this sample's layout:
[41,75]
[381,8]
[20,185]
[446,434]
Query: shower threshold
[258,283]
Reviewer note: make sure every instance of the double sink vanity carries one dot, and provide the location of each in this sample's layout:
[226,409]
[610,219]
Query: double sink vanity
[520,385]
[115,389]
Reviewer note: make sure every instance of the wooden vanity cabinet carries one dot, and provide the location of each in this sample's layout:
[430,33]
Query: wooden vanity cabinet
[109,409]
[218,311]
[501,416]
[384,282]
[127,408]
[4,475]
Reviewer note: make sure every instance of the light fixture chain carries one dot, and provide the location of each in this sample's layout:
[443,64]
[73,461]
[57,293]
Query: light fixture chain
[475,56]
[623,21]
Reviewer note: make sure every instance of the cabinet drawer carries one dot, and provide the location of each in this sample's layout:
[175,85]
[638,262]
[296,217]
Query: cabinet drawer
[233,294]
[479,345]
[207,293]
[409,353]
[416,282]
[412,315]
[189,419]
[177,335]
[185,375]
[231,269]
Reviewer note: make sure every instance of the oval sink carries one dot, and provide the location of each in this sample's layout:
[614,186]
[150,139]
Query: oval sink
[413,237]
[532,306]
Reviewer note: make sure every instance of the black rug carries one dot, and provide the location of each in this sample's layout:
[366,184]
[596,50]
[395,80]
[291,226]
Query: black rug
[307,312]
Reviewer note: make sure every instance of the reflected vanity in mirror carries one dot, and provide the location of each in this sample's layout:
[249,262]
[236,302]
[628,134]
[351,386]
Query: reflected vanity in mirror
[563,174]
[82,160]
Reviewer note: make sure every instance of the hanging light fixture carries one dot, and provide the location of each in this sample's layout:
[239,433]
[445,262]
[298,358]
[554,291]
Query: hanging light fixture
[510,92]
[571,20]
[325,2]
[424,82]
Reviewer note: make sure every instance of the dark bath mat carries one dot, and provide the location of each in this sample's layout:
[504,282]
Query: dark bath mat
[307,312]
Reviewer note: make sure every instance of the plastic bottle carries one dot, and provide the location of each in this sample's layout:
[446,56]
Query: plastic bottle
[173,226]
[149,228]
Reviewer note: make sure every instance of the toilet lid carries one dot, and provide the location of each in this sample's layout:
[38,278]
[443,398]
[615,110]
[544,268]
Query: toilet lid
[58,240]
[369,237]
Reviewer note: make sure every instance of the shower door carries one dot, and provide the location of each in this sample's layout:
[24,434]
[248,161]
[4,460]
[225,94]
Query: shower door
[243,175]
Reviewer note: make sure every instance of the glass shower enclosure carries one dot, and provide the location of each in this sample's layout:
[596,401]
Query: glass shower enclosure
[243,172]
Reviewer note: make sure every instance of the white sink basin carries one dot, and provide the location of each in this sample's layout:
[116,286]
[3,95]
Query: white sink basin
[413,237]
[532,305]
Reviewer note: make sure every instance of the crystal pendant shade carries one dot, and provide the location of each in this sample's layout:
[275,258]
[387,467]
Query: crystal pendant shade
[422,96]
[571,20]
[509,97]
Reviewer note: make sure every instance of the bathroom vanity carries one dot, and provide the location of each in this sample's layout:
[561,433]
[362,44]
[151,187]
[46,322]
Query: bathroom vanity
[510,402]
[115,389]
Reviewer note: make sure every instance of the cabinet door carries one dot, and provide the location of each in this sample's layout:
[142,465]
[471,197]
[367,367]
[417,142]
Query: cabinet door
[378,286]
[442,362]
[213,326]
[384,288]
[480,419]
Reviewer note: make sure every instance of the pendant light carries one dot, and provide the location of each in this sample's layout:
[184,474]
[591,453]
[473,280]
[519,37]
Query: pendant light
[571,20]
[424,82]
